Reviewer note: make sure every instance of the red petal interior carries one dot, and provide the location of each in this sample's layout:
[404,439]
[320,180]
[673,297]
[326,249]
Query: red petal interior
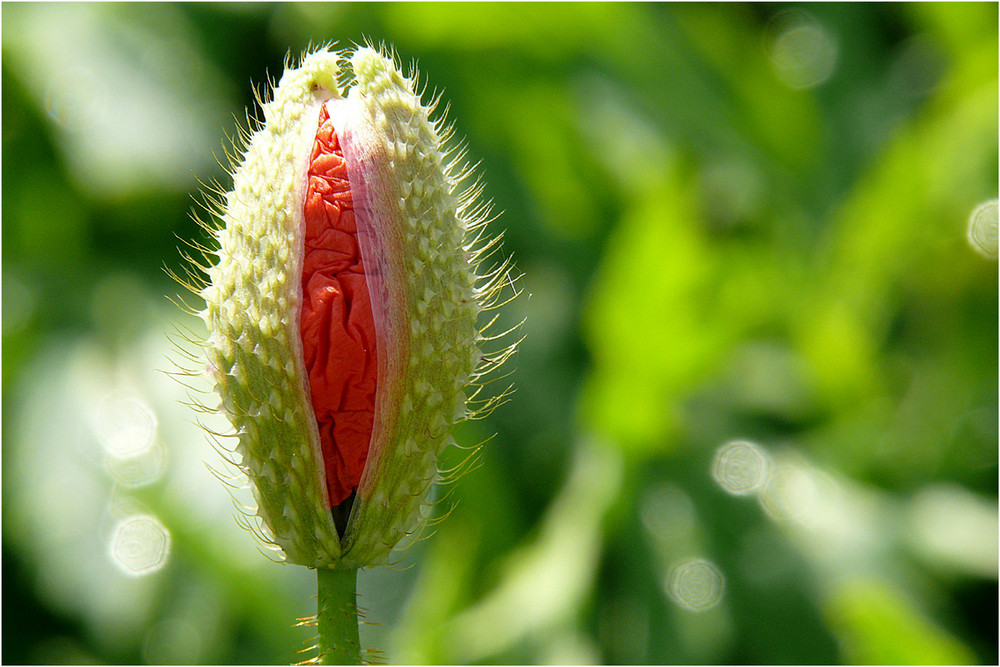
[338,332]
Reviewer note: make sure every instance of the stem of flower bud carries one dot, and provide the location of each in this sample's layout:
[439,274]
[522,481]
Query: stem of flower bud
[337,616]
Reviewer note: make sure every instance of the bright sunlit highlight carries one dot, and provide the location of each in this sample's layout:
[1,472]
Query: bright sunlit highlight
[126,426]
[741,468]
[982,231]
[135,471]
[954,528]
[141,545]
[791,493]
[695,584]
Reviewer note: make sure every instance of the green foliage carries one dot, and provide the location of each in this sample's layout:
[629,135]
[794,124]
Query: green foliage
[735,222]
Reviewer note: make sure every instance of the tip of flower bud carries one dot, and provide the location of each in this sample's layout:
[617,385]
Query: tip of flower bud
[366,62]
[370,66]
[317,74]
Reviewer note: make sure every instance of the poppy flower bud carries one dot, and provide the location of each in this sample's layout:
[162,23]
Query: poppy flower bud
[342,307]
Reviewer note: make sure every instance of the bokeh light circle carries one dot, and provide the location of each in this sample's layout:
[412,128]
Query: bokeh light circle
[801,51]
[695,584]
[141,544]
[126,425]
[982,230]
[741,467]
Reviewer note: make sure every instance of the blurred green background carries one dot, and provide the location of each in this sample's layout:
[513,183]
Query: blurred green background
[756,407]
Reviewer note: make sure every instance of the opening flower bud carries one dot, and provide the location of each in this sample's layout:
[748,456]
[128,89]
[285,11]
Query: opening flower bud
[342,306]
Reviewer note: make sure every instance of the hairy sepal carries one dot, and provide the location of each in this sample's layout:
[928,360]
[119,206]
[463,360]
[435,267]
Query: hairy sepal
[421,282]
[253,302]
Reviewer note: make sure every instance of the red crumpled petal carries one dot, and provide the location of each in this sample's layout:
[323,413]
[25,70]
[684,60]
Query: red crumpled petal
[337,328]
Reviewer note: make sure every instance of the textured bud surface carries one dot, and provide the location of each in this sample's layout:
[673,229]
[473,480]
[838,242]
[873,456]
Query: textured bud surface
[423,302]
[421,242]
[252,307]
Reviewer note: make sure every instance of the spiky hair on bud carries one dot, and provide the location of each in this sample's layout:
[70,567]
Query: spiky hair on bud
[416,300]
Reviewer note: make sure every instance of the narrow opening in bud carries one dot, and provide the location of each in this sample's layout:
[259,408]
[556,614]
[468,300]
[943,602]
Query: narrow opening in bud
[336,325]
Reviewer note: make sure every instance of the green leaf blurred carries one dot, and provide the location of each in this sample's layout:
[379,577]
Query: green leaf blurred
[736,223]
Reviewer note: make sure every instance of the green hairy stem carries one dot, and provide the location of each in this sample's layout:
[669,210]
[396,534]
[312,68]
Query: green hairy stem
[337,617]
